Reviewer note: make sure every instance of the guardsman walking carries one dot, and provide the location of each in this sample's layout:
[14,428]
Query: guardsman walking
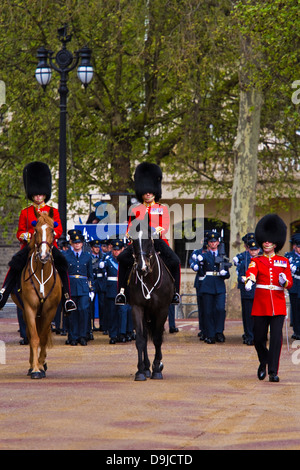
[81,282]
[272,274]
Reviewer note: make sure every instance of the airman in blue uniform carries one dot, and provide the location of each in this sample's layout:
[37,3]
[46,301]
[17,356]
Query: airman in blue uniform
[99,272]
[243,258]
[81,283]
[294,292]
[119,315]
[247,297]
[106,247]
[196,265]
[213,291]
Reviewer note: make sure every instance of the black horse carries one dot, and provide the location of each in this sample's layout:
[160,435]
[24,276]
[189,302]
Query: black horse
[151,289]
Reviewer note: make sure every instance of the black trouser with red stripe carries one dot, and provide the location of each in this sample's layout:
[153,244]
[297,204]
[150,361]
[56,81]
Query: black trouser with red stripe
[269,356]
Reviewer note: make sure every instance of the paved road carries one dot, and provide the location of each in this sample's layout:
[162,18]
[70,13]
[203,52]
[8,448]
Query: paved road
[209,398]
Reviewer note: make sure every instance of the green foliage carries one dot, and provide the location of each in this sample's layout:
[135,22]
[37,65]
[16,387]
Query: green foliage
[165,88]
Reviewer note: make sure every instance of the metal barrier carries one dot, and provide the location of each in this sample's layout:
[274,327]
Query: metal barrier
[179,309]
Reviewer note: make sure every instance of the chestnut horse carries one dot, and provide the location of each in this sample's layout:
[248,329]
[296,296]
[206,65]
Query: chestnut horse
[40,293]
[151,289]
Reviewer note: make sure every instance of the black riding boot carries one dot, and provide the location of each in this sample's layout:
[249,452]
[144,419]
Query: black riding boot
[68,304]
[125,260]
[176,276]
[172,262]
[8,285]
[122,275]
[16,265]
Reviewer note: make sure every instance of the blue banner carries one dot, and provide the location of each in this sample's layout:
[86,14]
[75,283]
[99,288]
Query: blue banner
[102,231]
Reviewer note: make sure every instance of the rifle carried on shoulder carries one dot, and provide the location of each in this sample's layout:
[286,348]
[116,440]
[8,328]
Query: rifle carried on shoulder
[222,260]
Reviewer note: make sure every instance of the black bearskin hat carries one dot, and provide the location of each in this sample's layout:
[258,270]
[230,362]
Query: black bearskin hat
[147,179]
[37,179]
[271,228]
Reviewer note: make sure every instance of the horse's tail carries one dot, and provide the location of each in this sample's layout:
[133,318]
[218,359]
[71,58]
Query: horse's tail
[152,329]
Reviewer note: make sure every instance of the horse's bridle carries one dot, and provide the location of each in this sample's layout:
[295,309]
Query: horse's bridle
[145,291]
[36,255]
[37,247]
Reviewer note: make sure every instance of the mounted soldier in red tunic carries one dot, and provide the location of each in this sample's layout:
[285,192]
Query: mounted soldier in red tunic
[38,186]
[154,219]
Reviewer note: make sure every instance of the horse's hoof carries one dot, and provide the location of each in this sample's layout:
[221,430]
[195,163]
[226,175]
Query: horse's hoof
[45,366]
[147,373]
[157,376]
[38,375]
[29,372]
[140,377]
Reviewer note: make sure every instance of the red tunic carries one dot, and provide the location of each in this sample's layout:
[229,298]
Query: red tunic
[27,216]
[158,216]
[269,298]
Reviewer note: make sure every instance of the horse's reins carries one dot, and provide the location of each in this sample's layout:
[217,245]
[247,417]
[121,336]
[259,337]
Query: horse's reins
[41,282]
[143,285]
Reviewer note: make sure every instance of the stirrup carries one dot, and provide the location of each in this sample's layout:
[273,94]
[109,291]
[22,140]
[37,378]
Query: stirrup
[120,299]
[176,299]
[70,306]
[2,300]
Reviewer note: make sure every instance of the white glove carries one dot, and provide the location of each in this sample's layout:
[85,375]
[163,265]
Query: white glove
[159,230]
[293,268]
[92,295]
[235,260]
[101,264]
[223,272]
[26,236]
[196,267]
[200,258]
[282,279]
[248,285]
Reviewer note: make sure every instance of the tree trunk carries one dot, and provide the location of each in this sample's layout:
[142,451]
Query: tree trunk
[242,216]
